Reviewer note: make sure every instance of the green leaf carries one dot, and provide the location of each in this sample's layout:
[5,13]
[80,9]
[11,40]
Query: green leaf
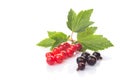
[50,33]
[59,37]
[46,42]
[83,26]
[78,23]
[83,18]
[57,43]
[95,42]
[71,19]
[88,31]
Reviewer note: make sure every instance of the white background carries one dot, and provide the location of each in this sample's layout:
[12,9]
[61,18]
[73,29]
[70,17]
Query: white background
[23,23]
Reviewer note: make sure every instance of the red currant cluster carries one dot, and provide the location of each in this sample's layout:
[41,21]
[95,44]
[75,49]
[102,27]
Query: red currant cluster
[63,51]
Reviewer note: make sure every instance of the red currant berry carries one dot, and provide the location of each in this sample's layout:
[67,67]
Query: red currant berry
[49,54]
[70,52]
[73,47]
[79,46]
[56,50]
[63,54]
[64,47]
[61,47]
[50,60]
[58,58]
[66,44]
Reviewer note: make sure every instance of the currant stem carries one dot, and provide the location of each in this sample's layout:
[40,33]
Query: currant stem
[72,37]
[71,34]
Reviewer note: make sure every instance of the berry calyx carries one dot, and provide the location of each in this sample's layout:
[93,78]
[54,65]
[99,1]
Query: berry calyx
[81,66]
[91,60]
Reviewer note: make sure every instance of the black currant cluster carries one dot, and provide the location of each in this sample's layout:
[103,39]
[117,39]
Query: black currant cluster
[87,58]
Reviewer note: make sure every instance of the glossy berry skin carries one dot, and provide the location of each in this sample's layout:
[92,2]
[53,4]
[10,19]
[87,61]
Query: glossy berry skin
[56,50]
[91,60]
[58,58]
[73,47]
[61,47]
[85,55]
[49,54]
[66,44]
[63,54]
[79,46]
[64,47]
[70,52]
[81,66]
[80,59]
[50,60]
[97,55]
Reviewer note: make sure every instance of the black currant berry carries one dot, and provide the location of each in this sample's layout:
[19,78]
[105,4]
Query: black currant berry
[91,60]
[81,66]
[80,59]
[85,55]
[97,55]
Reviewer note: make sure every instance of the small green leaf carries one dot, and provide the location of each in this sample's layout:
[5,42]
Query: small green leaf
[50,33]
[46,42]
[78,23]
[95,42]
[57,43]
[59,37]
